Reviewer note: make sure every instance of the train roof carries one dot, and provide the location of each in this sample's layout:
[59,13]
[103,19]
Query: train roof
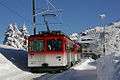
[41,33]
[56,33]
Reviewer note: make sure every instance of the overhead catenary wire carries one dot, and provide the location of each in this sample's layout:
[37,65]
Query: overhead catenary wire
[30,22]
[47,4]
[14,12]
[2,1]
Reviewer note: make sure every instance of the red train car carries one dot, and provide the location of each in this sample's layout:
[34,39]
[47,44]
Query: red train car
[53,50]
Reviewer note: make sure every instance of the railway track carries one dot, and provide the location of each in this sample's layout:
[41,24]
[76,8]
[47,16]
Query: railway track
[50,77]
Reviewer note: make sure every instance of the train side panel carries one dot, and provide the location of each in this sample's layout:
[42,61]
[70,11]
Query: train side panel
[39,60]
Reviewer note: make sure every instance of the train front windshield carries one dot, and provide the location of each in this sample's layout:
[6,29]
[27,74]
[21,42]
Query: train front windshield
[36,45]
[54,45]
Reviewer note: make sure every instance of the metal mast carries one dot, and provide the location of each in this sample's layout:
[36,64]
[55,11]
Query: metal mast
[34,24]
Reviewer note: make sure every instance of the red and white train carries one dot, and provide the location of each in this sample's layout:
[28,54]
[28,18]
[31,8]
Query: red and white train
[52,50]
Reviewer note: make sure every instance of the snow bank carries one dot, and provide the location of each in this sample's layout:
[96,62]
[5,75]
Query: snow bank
[13,64]
[105,68]
[108,67]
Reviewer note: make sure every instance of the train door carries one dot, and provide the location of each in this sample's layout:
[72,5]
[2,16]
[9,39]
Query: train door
[68,54]
[78,53]
[65,53]
[73,50]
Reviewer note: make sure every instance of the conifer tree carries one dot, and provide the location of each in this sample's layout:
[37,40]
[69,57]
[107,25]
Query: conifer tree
[24,36]
[15,37]
[9,36]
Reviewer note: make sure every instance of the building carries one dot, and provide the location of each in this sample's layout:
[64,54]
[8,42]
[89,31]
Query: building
[85,40]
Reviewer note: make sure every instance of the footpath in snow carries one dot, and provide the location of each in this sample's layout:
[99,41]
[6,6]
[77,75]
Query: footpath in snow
[85,70]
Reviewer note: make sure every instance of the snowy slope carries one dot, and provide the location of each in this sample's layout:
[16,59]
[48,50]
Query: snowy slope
[16,56]
[13,65]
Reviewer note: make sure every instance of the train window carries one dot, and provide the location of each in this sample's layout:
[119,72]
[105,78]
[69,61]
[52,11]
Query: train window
[70,46]
[65,47]
[36,45]
[54,45]
[78,49]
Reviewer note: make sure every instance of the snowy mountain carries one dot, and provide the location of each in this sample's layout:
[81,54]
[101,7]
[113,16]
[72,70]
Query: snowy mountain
[112,38]
[74,36]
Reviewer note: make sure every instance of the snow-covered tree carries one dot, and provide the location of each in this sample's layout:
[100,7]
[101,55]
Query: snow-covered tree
[9,36]
[112,39]
[15,37]
[24,31]
[17,32]
[24,35]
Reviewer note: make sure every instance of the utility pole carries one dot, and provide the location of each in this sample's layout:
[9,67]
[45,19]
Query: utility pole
[104,48]
[34,24]
[103,17]
[44,15]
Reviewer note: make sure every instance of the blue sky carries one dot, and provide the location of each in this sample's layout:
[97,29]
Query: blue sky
[77,15]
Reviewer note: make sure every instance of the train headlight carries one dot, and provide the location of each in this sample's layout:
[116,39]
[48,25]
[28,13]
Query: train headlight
[59,58]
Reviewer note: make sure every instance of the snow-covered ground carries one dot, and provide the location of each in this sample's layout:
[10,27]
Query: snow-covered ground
[84,70]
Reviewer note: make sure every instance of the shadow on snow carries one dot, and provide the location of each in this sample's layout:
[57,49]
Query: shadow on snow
[17,57]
